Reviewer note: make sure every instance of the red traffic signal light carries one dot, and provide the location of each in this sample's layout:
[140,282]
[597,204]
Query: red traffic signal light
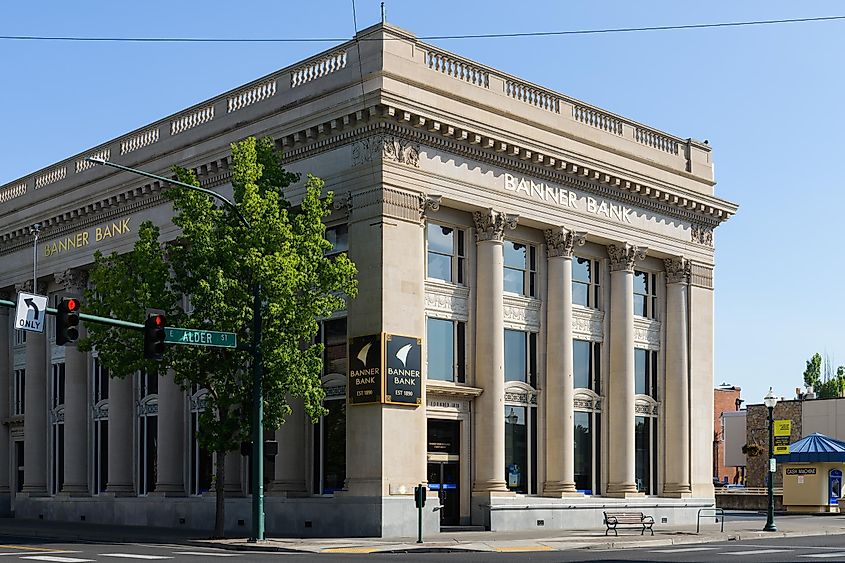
[154,336]
[67,321]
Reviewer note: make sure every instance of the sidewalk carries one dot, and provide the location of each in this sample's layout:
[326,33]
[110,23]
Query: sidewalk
[738,526]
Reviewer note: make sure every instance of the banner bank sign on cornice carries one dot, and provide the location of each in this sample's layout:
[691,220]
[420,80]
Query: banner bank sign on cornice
[567,198]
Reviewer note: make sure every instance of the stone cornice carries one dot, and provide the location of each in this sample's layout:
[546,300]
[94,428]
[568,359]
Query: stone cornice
[446,389]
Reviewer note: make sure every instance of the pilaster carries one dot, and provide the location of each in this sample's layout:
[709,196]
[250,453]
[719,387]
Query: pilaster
[171,439]
[36,440]
[120,439]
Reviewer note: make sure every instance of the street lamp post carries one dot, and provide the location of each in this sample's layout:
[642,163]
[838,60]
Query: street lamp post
[255,350]
[770,401]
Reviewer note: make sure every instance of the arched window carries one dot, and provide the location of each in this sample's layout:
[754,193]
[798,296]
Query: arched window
[521,437]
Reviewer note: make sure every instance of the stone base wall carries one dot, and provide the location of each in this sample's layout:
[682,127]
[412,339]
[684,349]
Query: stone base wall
[284,517]
[747,502]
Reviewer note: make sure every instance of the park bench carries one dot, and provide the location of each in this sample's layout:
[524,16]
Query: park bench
[613,520]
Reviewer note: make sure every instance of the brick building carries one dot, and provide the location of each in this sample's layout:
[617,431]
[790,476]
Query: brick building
[725,399]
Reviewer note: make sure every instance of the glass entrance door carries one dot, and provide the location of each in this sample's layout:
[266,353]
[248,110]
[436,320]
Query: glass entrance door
[443,477]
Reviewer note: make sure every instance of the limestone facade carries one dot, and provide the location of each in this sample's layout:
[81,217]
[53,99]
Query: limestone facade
[556,261]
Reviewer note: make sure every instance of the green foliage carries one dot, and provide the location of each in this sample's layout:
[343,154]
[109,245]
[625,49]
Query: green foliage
[204,279]
[825,386]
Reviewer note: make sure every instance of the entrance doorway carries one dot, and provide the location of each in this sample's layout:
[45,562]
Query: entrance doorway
[444,468]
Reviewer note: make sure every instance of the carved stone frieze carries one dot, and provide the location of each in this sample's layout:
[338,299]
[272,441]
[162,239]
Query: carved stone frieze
[647,333]
[447,301]
[677,270]
[388,147]
[701,275]
[587,324]
[490,224]
[701,234]
[521,313]
[647,406]
[390,202]
[562,242]
[74,280]
[623,256]
[522,398]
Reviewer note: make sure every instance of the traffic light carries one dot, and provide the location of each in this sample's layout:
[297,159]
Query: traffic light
[67,321]
[154,337]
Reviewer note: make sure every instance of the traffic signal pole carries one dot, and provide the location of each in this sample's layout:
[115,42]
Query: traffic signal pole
[257,367]
[85,317]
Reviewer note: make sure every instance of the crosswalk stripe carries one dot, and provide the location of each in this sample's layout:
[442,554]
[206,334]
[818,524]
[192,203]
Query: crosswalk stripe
[55,559]
[755,551]
[826,555]
[206,553]
[134,556]
[683,549]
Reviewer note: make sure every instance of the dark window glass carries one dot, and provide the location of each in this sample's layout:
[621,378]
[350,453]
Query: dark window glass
[516,449]
[333,426]
[640,371]
[334,342]
[462,352]
[581,364]
[532,359]
[516,356]
[338,235]
[440,350]
[642,454]
[597,449]
[583,453]
[461,255]
[101,453]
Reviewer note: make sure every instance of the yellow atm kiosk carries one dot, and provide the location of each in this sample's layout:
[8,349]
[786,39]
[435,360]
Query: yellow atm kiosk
[812,474]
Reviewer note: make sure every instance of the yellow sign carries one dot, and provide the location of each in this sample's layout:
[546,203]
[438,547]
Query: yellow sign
[84,238]
[781,445]
[783,428]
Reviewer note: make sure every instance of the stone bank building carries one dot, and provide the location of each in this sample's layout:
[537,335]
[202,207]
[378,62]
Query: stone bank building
[555,261]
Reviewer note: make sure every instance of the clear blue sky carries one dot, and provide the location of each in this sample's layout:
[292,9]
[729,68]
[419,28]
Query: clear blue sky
[768,98]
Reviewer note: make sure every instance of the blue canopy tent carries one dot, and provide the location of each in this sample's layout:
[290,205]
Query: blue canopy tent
[814,448]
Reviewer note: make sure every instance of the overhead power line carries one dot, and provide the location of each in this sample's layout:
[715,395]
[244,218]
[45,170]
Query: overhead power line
[423,37]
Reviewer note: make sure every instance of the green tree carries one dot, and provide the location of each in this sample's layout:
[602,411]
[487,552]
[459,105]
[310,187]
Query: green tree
[825,386]
[204,279]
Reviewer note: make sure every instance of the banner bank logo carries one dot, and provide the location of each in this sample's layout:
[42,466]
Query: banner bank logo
[562,197]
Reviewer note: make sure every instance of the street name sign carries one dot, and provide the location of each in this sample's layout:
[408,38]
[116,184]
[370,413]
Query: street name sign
[31,312]
[195,337]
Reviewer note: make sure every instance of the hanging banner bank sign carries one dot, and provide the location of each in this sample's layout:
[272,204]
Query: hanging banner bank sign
[385,368]
[563,197]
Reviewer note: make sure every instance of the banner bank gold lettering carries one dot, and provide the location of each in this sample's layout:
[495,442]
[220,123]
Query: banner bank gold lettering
[84,238]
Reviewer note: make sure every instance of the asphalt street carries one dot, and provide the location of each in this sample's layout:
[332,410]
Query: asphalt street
[814,548]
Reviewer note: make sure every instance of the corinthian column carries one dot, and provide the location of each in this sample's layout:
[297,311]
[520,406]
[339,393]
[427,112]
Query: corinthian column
[622,468]
[35,437]
[76,395]
[120,437]
[171,437]
[560,423]
[490,351]
[677,382]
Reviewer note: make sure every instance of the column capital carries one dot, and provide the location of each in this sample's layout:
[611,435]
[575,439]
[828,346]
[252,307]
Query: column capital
[429,202]
[560,241]
[678,270]
[73,280]
[27,287]
[490,225]
[623,256]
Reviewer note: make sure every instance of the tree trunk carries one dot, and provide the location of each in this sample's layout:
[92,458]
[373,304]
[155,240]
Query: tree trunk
[220,499]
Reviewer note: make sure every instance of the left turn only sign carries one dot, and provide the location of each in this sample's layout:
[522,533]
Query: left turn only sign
[31,312]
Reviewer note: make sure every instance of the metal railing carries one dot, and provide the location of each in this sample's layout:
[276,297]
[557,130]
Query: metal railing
[717,513]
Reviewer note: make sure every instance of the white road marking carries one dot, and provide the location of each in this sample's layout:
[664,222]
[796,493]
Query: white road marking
[755,551]
[683,549]
[134,556]
[57,559]
[206,553]
[825,555]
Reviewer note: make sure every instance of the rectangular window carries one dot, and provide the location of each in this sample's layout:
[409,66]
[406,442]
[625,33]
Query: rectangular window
[58,458]
[148,384]
[101,382]
[583,452]
[330,449]
[332,336]
[645,372]
[101,455]
[642,454]
[520,268]
[585,282]
[148,447]
[445,350]
[57,394]
[446,253]
[20,337]
[645,294]
[521,356]
[201,463]
[586,365]
[19,394]
[338,235]
[521,449]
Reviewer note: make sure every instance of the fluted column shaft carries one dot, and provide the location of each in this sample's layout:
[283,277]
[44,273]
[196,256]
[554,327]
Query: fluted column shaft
[677,407]
[490,352]
[171,440]
[560,392]
[35,438]
[120,482]
[290,461]
[5,385]
[621,393]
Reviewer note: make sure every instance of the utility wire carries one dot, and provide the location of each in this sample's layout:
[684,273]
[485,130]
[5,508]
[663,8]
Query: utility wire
[422,37]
